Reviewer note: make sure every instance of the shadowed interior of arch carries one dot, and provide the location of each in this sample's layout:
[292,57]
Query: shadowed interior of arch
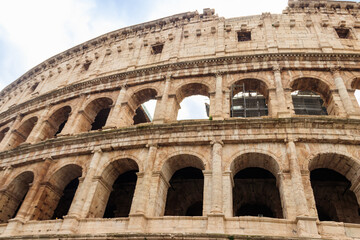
[97,111]
[14,195]
[23,132]
[121,196]
[185,194]
[334,199]
[255,194]
[3,133]
[248,99]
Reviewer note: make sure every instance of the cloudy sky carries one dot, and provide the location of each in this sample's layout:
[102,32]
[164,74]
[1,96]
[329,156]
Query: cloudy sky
[32,31]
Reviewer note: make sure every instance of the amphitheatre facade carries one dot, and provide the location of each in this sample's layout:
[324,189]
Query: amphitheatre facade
[278,158]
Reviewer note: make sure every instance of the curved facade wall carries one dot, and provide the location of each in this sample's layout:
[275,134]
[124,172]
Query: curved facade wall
[75,163]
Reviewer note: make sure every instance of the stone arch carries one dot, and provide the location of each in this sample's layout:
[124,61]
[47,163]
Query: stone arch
[56,122]
[22,132]
[184,197]
[339,162]
[58,192]
[116,190]
[137,112]
[95,114]
[189,90]
[249,98]
[255,188]
[314,86]
[161,162]
[334,179]
[355,83]
[13,195]
[255,159]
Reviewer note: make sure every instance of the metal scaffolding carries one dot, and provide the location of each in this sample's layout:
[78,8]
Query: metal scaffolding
[247,103]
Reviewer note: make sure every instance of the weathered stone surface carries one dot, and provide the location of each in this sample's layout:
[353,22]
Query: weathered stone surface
[71,154]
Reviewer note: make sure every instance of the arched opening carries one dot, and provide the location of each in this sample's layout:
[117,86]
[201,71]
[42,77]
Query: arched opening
[66,199]
[3,133]
[249,98]
[21,134]
[183,196]
[334,199]
[311,96]
[144,104]
[56,122]
[194,102]
[13,196]
[114,195]
[58,193]
[96,114]
[255,191]
[121,196]
[255,194]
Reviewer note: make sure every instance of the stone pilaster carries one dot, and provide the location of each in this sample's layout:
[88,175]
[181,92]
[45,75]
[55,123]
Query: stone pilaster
[71,126]
[142,193]
[160,111]
[36,133]
[216,217]
[282,111]
[218,104]
[6,142]
[306,225]
[115,119]
[343,93]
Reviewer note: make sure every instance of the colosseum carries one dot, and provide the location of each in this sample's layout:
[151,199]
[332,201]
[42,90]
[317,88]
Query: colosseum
[278,156]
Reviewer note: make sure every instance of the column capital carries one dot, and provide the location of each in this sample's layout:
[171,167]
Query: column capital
[335,70]
[219,73]
[97,149]
[276,68]
[215,141]
[291,139]
[155,145]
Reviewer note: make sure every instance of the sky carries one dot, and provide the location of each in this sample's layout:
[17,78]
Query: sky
[33,31]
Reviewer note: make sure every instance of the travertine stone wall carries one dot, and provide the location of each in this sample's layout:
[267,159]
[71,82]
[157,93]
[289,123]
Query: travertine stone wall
[46,140]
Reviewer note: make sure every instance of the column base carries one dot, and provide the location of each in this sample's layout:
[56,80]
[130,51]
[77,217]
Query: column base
[216,223]
[307,227]
[137,222]
[69,225]
[13,227]
[283,115]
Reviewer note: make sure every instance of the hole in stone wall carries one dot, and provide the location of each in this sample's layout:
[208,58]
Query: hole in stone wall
[244,36]
[343,33]
[334,199]
[185,194]
[255,194]
[66,199]
[157,49]
[100,119]
[86,65]
[120,199]
[33,87]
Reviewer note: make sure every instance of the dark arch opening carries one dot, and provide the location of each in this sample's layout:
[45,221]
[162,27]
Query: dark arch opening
[66,199]
[334,199]
[14,196]
[119,203]
[185,194]
[100,119]
[255,194]
[249,98]
[3,133]
[23,132]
